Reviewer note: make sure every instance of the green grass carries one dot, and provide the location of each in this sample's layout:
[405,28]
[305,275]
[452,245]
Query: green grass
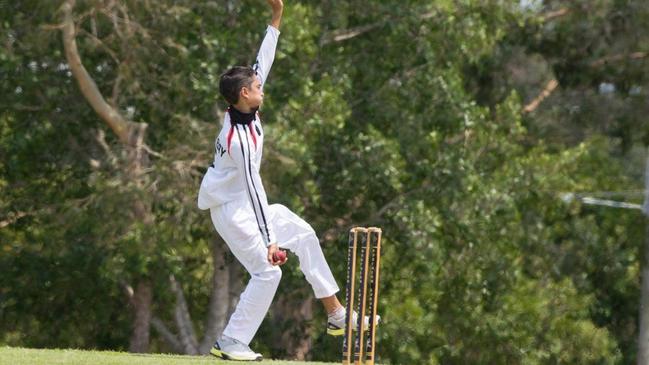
[22,356]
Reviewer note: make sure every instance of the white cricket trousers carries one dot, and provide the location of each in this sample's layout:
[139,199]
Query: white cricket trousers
[236,223]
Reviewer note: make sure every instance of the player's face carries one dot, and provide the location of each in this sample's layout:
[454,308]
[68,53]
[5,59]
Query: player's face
[255,96]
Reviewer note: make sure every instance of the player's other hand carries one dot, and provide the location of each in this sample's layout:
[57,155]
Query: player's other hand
[276,256]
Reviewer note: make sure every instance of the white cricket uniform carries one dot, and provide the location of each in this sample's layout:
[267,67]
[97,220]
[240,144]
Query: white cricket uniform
[233,191]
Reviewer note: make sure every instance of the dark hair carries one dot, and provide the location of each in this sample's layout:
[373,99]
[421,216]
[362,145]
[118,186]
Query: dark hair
[233,80]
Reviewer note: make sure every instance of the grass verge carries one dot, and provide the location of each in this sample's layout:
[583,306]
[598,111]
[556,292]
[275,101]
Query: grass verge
[23,356]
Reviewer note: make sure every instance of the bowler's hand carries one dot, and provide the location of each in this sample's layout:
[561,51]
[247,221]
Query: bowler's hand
[278,8]
[271,251]
[276,5]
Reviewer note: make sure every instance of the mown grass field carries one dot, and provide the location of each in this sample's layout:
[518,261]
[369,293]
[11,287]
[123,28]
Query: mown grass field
[22,356]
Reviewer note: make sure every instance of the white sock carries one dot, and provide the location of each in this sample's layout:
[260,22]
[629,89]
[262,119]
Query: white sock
[338,314]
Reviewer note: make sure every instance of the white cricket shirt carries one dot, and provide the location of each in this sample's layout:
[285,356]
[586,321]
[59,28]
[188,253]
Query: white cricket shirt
[234,174]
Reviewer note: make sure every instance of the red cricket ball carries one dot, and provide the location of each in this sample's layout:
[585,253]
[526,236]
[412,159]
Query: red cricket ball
[279,256]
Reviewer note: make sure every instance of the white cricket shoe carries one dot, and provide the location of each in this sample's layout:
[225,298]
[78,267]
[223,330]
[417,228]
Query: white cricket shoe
[229,348]
[336,323]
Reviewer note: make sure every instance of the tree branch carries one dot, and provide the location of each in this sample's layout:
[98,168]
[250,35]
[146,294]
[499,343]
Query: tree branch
[13,218]
[99,43]
[28,108]
[345,34]
[183,320]
[552,85]
[87,85]
[618,57]
[128,290]
[169,337]
[549,88]
[114,99]
[555,14]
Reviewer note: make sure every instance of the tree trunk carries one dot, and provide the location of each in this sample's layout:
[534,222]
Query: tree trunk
[301,343]
[183,319]
[219,304]
[295,316]
[643,337]
[142,298]
[236,285]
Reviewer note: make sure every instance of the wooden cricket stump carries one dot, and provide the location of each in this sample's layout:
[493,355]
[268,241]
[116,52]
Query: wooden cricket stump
[369,254]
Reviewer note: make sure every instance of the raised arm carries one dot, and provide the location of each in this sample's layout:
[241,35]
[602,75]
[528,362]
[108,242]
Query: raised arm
[266,53]
[278,8]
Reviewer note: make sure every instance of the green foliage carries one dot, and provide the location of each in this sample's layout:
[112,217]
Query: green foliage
[413,123]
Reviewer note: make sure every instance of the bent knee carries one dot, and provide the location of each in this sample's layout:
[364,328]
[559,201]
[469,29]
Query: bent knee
[309,241]
[271,275]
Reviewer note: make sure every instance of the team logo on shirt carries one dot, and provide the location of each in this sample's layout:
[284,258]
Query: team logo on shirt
[219,148]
